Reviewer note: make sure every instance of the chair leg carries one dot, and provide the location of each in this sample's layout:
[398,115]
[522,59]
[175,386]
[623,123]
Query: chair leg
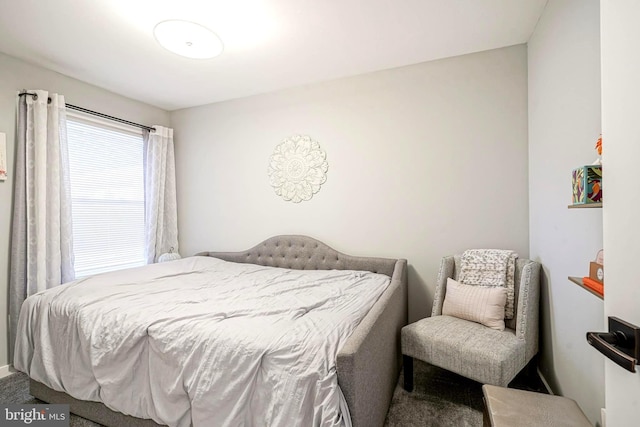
[407,362]
[532,367]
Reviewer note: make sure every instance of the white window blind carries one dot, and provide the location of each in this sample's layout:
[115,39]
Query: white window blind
[107,193]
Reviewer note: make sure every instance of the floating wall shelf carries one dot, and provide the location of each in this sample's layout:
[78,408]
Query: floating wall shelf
[586,205]
[578,281]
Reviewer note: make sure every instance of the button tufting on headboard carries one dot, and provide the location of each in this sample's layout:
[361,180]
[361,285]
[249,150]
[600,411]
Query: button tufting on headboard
[305,253]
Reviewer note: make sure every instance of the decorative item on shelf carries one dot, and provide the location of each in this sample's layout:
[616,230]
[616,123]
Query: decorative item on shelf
[169,256]
[586,182]
[597,287]
[600,257]
[595,281]
[596,268]
[598,147]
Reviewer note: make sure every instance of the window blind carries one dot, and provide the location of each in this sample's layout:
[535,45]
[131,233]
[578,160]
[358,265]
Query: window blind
[107,194]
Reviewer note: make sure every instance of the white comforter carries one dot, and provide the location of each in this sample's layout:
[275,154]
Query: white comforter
[200,341]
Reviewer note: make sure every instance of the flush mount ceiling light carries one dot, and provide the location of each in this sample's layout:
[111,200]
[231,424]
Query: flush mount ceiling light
[188,39]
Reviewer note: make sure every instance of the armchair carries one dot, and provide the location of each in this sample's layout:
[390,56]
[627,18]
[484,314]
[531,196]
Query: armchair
[470,349]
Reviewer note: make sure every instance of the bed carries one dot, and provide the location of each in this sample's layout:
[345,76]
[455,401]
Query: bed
[368,361]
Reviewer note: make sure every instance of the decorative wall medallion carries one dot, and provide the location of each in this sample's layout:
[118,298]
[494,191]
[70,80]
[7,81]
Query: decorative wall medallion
[297,168]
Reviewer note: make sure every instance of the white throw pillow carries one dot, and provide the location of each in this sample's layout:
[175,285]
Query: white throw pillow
[481,304]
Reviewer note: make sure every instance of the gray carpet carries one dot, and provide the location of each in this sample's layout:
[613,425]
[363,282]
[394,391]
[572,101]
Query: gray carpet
[15,389]
[439,399]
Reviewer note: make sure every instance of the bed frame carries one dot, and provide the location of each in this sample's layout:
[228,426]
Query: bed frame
[369,363]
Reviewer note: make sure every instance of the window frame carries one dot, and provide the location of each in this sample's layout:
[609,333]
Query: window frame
[103,123]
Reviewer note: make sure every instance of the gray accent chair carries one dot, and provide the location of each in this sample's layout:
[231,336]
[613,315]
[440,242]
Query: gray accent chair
[470,349]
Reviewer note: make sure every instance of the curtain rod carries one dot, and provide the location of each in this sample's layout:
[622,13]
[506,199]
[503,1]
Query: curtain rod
[95,113]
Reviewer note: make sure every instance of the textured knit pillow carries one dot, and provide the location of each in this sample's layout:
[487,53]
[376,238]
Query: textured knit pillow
[491,267]
[479,304]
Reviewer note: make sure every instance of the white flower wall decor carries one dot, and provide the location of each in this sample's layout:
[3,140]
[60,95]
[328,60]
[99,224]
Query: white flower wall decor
[297,168]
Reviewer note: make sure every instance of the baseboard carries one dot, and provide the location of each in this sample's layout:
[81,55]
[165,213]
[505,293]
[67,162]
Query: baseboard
[544,381]
[6,370]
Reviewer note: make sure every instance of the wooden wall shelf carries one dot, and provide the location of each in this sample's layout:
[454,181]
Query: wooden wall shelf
[586,206]
[578,281]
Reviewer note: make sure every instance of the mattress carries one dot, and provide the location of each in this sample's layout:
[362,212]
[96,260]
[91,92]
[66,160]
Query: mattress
[200,341]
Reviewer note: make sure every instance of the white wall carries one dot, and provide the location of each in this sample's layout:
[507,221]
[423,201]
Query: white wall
[564,124]
[14,76]
[621,153]
[424,161]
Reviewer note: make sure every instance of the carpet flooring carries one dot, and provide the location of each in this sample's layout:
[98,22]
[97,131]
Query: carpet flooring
[439,399]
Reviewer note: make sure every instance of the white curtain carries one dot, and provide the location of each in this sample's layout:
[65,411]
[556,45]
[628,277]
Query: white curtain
[161,213]
[41,239]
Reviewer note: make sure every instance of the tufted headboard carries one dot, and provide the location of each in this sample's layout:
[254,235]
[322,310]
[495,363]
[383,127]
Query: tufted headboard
[304,253]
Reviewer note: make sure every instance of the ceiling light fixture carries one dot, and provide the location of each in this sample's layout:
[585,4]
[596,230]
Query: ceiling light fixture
[188,39]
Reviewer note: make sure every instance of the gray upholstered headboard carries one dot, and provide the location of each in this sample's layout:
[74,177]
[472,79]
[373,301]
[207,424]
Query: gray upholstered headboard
[304,253]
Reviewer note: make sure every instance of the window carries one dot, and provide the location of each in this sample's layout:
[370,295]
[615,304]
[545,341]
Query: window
[107,195]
